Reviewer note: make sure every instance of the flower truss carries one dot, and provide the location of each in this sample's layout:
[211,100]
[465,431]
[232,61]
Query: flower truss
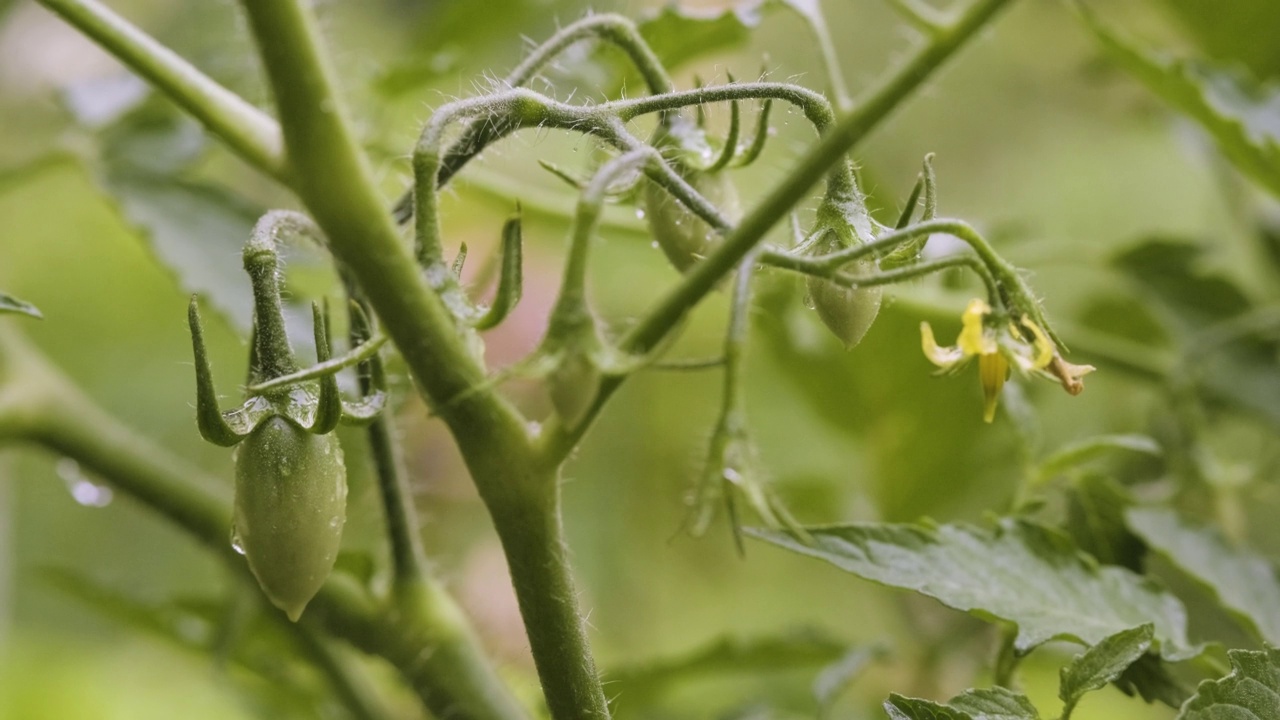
[1000,347]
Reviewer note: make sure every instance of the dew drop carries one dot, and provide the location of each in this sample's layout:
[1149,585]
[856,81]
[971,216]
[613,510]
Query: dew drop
[639,213]
[236,543]
[808,300]
[83,490]
[654,244]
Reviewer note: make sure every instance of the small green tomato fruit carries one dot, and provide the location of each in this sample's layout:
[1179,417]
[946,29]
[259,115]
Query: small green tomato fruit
[290,506]
[683,236]
[847,312]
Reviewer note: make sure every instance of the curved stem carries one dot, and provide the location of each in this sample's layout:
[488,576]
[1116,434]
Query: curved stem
[612,28]
[616,29]
[247,130]
[355,356]
[574,283]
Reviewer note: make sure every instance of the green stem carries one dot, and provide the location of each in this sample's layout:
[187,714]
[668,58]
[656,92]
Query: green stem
[248,131]
[573,286]
[353,689]
[532,536]
[616,29]
[817,23]
[355,356]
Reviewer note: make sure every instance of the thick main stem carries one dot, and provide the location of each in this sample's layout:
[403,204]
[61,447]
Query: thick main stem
[334,181]
[532,536]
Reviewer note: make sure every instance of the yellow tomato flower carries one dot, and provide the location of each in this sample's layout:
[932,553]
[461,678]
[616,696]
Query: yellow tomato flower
[998,350]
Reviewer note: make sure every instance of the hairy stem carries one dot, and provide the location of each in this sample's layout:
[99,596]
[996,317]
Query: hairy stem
[529,527]
[247,130]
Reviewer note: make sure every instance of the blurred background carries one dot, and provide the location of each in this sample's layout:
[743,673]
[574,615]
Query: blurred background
[1114,205]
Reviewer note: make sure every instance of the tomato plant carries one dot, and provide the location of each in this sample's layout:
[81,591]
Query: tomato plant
[1068,534]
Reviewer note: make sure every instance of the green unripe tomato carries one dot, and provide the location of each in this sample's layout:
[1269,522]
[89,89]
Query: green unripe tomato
[847,312]
[684,237]
[290,506]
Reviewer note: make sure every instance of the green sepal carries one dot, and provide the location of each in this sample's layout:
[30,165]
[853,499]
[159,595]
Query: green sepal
[510,280]
[329,405]
[213,426]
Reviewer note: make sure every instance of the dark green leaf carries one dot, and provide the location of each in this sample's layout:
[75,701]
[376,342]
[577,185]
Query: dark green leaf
[1240,373]
[1150,679]
[1102,664]
[1233,36]
[11,304]
[1095,520]
[679,34]
[1021,573]
[905,708]
[1244,583]
[1170,271]
[1250,692]
[993,704]
[1241,118]
[730,655]
[1089,449]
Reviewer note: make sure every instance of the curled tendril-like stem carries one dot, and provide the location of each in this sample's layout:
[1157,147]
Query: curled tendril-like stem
[616,30]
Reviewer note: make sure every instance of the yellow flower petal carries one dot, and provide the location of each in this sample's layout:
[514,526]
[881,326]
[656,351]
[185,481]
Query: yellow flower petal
[993,370]
[944,357]
[1044,348]
[974,338]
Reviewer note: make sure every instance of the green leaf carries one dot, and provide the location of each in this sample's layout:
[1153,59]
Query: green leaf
[1095,520]
[678,34]
[1233,36]
[1194,300]
[1102,664]
[1150,678]
[1089,449]
[1171,272]
[993,704]
[1244,583]
[194,229]
[1020,572]
[839,675]
[1250,692]
[905,708]
[729,655]
[11,304]
[1240,118]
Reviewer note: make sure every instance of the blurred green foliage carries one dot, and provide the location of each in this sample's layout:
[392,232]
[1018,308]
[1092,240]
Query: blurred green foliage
[1141,237]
